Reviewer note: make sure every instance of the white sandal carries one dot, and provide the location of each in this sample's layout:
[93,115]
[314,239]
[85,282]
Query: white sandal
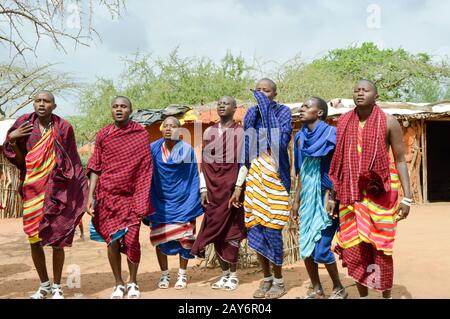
[181,282]
[164,282]
[57,292]
[232,283]
[42,292]
[133,291]
[220,283]
[118,292]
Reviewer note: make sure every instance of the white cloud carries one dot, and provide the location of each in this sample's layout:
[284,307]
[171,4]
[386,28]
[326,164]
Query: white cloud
[268,30]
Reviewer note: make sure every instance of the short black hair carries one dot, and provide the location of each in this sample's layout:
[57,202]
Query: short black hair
[232,99]
[272,83]
[122,97]
[371,83]
[46,92]
[322,105]
[177,121]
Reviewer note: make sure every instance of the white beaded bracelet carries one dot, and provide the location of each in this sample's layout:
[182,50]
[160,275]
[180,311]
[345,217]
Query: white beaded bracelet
[407,201]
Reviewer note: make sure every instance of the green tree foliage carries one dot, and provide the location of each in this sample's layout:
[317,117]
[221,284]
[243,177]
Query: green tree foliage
[157,83]
[398,74]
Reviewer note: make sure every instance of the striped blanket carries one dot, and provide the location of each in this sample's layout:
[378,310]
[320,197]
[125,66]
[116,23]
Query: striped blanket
[368,220]
[266,199]
[313,216]
[174,239]
[39,162]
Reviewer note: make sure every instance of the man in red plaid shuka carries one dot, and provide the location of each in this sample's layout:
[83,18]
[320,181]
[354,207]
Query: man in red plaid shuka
[366,184]
[120,177]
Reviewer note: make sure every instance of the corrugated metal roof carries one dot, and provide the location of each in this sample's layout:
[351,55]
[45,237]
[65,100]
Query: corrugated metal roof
[339,106]
[207,113]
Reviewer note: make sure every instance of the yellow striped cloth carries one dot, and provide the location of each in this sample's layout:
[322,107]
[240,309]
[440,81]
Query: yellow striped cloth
[39,162]
[266,200]
[365,221]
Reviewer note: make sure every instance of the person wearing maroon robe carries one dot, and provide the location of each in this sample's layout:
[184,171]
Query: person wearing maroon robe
[120,173]
[63,188]
[223,224]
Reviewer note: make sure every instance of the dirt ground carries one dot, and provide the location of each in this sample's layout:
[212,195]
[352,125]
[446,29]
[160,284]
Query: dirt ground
[421,257]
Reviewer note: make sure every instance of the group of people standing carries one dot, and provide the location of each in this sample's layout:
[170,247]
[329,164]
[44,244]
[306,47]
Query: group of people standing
[346,189]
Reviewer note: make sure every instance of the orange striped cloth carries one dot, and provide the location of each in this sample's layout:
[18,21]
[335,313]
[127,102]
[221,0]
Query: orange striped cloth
[266,199]
[39,162]
[370,220]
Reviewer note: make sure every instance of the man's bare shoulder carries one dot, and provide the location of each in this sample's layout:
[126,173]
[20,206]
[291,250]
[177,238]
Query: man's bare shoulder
[391,122]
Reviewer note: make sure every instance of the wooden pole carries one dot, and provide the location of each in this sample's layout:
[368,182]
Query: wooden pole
[425,162]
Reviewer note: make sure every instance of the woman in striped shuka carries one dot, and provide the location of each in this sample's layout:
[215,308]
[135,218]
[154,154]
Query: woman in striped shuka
[266,204]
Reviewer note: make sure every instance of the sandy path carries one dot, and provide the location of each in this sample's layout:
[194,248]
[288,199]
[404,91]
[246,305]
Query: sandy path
[422,260]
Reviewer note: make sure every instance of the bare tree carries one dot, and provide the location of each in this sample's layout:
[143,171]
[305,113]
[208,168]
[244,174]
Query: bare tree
[54,19]
[19,84]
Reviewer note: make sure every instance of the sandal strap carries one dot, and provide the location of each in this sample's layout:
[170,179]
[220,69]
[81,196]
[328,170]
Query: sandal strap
[315,295]
[278,290]
[132,285]
[164,277]
[339,294]
[42,292]
[181,281]
[232,283]
[118,291]
[182,278]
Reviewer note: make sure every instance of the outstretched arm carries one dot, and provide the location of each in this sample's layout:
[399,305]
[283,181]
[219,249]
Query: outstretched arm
[395,136]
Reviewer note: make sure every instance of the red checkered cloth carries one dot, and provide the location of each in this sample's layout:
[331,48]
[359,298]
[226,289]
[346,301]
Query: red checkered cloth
[123,161]
[66,190]
[350,173]
[129,244]
[368,266]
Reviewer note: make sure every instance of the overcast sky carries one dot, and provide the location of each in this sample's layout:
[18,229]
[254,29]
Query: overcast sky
[267,30]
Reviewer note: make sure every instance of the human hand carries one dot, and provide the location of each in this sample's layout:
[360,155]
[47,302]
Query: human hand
[402,212]
[234,200]
[294,211]
[331,209]
[204,198]
[90,207]
[23,130]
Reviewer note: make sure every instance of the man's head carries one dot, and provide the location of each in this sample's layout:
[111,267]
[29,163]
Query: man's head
[44,104]
[313,109]
[365,93]
[121,109]
[226,107]
[169,128]
[267,87]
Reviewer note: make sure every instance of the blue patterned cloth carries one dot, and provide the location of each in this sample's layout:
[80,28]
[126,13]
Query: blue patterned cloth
[269,115]
[93,235]
[173,248]
[322,251]
[320,142]
[175,185]
[267,242]
[313,216]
